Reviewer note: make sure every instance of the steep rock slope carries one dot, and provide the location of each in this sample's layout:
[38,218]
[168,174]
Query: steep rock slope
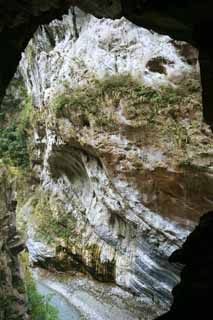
[119,162]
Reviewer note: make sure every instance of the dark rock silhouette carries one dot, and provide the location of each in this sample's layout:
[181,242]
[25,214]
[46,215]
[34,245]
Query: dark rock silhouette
[193,295]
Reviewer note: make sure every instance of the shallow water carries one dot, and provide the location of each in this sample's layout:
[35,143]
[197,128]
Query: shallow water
[79,297]
[66,310]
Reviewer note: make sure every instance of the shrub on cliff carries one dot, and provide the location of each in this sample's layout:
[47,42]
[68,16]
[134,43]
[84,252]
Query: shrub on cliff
[96,104]
[171,113]
[13,138]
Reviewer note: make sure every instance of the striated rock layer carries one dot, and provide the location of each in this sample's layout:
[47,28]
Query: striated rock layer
[120,149]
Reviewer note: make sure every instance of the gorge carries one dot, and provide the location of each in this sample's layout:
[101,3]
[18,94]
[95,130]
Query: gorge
[120,160]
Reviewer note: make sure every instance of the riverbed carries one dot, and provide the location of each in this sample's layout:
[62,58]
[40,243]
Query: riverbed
[66,311]
[80,297]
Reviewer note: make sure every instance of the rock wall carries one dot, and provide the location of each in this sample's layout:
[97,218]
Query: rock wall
[12,291]
[120,149]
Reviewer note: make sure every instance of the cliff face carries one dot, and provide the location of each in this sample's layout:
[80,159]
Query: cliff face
[187,21]
[12,291]
[120,149]
[81,47]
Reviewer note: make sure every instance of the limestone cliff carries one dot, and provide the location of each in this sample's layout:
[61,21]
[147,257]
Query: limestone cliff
[118,144]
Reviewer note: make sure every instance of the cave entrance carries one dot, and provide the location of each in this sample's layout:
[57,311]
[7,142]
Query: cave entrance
[102,196]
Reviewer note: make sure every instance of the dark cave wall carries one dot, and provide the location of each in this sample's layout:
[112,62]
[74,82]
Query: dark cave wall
[18,22]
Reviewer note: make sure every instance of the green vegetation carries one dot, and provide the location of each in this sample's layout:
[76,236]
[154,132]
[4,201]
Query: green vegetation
[190,166]
[173,115]
[51,221]
[31,52]
[13,147]
[13,137]
[95,105]
[39,307]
